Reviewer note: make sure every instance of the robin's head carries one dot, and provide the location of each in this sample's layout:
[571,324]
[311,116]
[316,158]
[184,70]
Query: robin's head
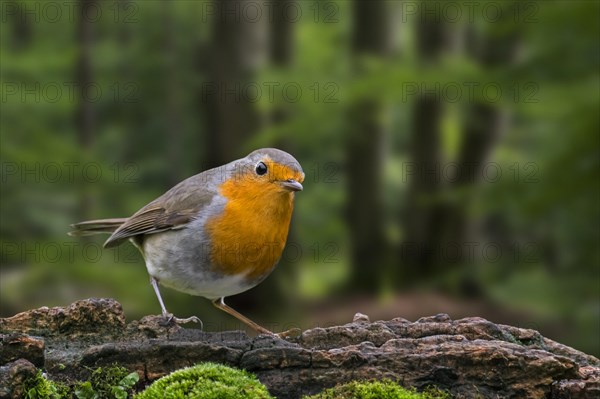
[254,224]
[270,170]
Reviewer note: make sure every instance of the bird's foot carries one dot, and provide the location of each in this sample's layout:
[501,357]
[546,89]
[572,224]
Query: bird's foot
[290,334]
[169,319]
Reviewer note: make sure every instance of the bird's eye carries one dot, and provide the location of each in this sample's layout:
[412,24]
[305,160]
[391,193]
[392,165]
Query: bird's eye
[261,169]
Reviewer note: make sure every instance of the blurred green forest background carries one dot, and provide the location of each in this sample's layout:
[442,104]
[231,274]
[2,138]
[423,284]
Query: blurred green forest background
[451,152]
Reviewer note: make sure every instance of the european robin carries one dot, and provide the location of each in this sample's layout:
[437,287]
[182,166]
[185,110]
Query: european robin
[215,234]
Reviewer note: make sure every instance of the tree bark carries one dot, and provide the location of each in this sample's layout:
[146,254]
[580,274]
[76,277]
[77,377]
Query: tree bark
[371,36]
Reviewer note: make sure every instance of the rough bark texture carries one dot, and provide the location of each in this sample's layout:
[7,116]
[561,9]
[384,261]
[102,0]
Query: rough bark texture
[470,357]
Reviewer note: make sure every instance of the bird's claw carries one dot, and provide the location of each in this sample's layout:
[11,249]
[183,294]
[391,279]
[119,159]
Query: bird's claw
[291,333]
[170,319]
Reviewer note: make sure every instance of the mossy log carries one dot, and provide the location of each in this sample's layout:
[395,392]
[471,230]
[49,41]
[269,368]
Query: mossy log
[471,357]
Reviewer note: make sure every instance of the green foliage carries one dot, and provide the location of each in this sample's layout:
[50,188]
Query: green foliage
[39,387]
[105,383]
[109,382]
[206,381]
[377,390]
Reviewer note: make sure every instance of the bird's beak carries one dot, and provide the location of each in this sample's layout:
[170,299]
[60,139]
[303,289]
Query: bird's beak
[292,185]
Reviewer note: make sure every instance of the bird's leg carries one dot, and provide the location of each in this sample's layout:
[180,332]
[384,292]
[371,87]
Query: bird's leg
[169,317]
[220,303]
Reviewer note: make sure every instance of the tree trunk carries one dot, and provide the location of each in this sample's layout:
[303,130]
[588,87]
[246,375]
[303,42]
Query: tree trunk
[85,115]
[364,155]
[173,125]
[485,123]
[21,26]
[282,35]
[238,47]
[419,253]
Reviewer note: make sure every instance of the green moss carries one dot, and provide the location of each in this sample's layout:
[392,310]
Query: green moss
[39,387]
[108,382]
[105,383]
[377,390]
[206,381]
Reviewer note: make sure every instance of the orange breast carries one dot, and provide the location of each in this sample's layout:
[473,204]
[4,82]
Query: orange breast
[249,236]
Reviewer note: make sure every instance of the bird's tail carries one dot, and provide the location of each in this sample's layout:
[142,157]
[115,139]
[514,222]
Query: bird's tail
[92,227]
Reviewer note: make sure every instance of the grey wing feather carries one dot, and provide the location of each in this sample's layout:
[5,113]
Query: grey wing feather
[150,221]
[173,210]
[92,227]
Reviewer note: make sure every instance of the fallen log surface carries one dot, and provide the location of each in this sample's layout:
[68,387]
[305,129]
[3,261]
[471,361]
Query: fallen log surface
[471,357]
